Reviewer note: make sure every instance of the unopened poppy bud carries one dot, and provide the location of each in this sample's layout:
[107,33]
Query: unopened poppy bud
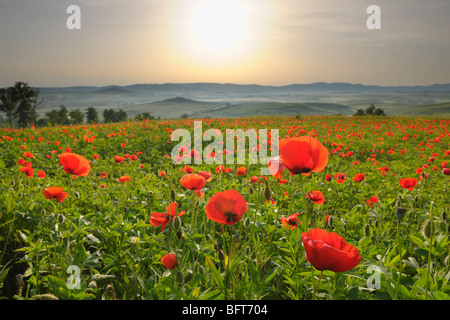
[400,212]
[251,190]
[426,229]
[267,193]
[367,230]
[330,221]
[172,195]
[221,255]
[444,215]
[376,223]
[188,275]
[176,223]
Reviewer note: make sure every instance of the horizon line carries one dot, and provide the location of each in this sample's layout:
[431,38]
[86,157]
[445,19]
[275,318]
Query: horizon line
[242,84]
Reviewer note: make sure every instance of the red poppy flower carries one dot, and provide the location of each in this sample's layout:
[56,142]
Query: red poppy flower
[41,174]
[370,202]
[291,222]
[170,261]
[162,219]
[359,177]
[340,177]
[118,159]
[124,179]
[28,155]
[303,154]
[55,193]
[408,183]
[188,169]
[227,207]
[315,196]
[241,171]
[207,175]
[328,251]
[193,181]
[29,172]
[75,164]
[328,177]
[446,171]
[221,168]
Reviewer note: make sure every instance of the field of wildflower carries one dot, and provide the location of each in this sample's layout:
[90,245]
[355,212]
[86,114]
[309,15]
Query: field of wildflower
[354,208]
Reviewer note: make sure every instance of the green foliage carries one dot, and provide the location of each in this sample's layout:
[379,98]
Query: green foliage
[19,102]
[110,115]
[103,226]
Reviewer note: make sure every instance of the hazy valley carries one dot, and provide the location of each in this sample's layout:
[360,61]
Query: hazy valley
[172,100]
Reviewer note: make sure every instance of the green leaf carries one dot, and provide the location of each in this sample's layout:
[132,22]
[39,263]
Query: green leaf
[272,273]
[416,240]
[215,273]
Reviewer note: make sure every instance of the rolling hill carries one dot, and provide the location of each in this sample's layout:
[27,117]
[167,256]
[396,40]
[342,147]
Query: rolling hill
[233,100]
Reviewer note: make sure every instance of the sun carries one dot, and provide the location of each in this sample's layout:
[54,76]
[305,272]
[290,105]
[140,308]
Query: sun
[217,28]
[217,24]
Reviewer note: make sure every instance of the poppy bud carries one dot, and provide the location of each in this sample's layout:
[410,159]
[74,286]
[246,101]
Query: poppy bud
[426,229]
[267,193]
[444,215]
[400,212]
[188,275]
[176,223]
[376,223]
[367,230]
[330,221]
[221,255]
[251,190]
[247,222]
[172,195]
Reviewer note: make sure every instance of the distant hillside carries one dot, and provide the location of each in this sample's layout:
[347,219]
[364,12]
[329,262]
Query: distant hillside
[172,107]
[116,90]
[233,100]
[275,108]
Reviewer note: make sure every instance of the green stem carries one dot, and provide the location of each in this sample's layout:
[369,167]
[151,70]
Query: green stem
[401,262]
[317,284]
[194,202]
[305,205]
[429,250]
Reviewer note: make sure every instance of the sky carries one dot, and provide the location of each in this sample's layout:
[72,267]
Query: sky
[266,42]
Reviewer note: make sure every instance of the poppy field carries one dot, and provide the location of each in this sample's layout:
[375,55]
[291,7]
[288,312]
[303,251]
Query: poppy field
[354,208]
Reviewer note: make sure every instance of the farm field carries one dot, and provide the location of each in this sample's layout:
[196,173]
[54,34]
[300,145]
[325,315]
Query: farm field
[102,211]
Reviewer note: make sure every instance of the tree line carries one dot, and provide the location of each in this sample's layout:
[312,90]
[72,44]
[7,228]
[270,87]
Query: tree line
[20,104]
[370,111]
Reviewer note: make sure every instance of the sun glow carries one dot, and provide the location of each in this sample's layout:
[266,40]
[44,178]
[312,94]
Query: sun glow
[217,24]
[218,30]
